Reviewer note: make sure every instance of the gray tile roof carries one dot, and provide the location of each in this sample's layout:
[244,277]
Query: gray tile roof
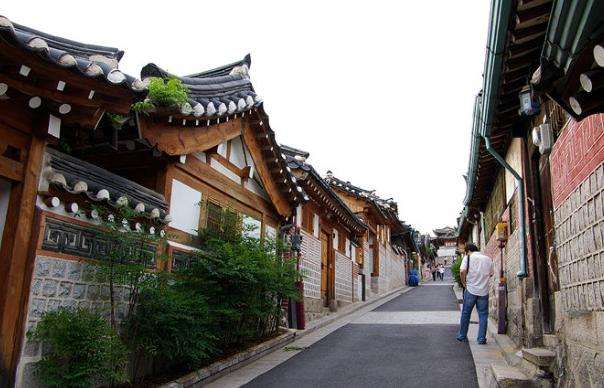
[296,160]
[86,59]
[219,92]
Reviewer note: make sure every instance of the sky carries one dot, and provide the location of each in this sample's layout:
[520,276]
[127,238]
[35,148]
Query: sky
[379,92]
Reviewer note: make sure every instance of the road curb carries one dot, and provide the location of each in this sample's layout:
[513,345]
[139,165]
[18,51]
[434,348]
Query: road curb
[220,368]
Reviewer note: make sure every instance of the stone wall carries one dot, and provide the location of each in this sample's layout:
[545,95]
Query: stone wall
[577,189]
[579,223]
[521,312]
[343,281]
[63,283]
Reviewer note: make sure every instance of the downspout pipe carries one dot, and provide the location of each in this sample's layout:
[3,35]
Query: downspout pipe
[521,205]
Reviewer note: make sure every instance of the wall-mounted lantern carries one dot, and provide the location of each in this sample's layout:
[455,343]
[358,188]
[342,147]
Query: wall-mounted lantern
[529,102]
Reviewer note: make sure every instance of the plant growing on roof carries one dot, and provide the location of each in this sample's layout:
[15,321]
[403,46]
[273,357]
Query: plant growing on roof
[163,92]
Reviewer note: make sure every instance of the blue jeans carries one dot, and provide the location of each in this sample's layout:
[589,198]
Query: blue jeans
[482,305]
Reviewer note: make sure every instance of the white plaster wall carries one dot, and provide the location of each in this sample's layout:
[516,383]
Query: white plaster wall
[184,207]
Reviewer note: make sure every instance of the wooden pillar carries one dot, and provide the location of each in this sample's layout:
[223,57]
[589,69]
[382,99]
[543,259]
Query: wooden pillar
[18,262]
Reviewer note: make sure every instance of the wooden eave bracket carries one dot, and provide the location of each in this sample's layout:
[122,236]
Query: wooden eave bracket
[180,140]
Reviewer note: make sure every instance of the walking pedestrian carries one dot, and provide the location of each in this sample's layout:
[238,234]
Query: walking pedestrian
[475,271]
[441,272]
[433,270]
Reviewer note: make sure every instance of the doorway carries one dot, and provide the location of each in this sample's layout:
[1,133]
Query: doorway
[327,269]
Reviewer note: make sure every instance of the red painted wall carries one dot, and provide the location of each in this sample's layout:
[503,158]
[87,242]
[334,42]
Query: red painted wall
[576,154]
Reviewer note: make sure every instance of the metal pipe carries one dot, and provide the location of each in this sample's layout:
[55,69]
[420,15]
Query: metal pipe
[521,206]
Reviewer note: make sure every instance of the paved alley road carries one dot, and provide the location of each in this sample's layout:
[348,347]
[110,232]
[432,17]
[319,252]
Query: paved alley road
[406,342]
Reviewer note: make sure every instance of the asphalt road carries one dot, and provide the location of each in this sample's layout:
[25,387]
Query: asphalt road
[385,355]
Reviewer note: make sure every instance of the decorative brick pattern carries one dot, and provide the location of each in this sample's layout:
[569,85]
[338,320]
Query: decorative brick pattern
[579,223]
[310,265]
[343,278]
[577,152]
[84,241]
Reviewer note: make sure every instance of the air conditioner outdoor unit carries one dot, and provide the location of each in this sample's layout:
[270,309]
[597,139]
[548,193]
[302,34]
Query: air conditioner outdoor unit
[543,138]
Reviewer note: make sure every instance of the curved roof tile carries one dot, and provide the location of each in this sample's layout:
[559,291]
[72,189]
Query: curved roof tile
[90,60]
[225,90]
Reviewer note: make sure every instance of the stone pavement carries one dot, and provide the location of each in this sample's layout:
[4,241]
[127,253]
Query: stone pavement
[407,341]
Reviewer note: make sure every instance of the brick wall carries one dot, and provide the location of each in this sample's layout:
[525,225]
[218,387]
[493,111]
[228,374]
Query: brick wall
[577,189]
[576,154]
[579,224]
[63,283]
[310,265]
[343,281]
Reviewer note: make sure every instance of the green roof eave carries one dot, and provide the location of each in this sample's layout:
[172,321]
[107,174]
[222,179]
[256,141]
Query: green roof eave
[493,67]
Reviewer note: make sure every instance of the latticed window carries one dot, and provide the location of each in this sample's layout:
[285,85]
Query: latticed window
[213,217]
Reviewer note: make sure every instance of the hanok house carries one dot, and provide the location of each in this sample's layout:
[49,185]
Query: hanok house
[537,164]
[382,258]
[223,160]
[445,241]
[70,146]
[331,235]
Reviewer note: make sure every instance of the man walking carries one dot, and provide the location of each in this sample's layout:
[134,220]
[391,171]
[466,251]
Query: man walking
[475,271]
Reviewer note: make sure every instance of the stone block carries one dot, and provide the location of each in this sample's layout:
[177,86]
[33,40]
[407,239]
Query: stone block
[69,303]
[42,267]
[541,357]
[49,287]
[37,307]
[93,292]
[88,273]
[503,376]
[105,292]
[36,287]
[58,269]
[64,289]
[53,304]
[74,271]
[79,290]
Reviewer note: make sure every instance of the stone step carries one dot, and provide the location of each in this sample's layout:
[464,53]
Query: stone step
[541,357]
[504,376]
[550,341]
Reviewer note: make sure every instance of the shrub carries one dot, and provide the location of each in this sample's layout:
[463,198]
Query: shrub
[455,270]
[245,280]
[171,326]
[82,349]
[163,93]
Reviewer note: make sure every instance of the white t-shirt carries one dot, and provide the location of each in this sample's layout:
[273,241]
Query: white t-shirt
[477,278]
